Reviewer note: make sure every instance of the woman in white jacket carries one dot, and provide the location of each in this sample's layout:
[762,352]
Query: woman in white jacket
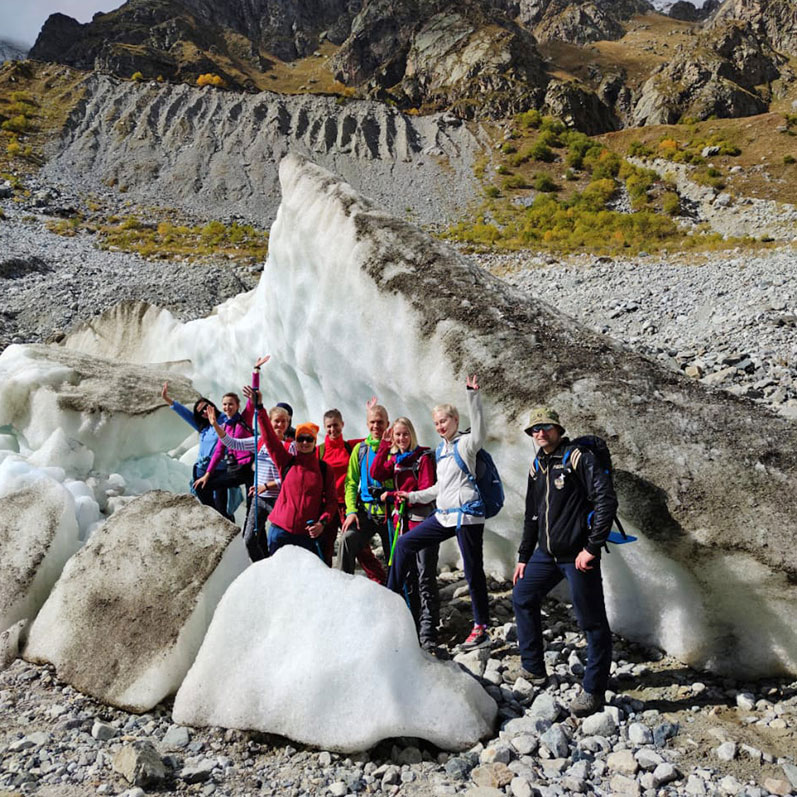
[455,497]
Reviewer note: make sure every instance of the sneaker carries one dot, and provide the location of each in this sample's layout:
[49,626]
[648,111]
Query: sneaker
[586,703]
[478,638]
[534,679]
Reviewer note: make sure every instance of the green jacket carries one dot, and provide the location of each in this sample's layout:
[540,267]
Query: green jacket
[352,487]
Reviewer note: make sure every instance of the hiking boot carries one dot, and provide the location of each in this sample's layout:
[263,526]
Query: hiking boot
[515,671]
[586,703]
[478,638]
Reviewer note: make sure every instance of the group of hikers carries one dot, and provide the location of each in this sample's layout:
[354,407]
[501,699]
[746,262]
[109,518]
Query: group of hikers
[413,498]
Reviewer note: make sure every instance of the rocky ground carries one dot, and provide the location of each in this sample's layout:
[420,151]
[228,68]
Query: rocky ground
[51,282]
[727,319]
[667,730]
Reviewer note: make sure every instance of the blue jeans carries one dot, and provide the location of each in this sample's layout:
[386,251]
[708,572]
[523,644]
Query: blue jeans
[432,532]
[277,537]
[542,574]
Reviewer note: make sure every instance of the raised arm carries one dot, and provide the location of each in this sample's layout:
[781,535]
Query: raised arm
[470,443]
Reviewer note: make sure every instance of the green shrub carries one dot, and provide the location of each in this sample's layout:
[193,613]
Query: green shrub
[553,125]
[543,182]
[17,124]
[540,151]
[501,169]
[549,139]
[137,77]
[514,182]
[670,203]
[570,175]
[636,149]
[530,118]
[603,165]
[492,191]
[788,159]
[508,148]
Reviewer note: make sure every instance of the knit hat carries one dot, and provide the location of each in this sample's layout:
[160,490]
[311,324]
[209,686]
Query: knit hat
[307,428]
[541,415]
[287,407]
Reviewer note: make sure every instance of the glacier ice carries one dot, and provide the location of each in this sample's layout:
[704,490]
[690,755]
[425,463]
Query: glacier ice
[326,659]
[127,616]
[38,534]
[354,302]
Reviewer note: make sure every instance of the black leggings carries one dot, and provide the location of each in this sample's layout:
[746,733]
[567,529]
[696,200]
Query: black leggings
[214,493]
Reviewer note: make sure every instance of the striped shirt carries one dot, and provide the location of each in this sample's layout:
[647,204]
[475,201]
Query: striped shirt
[267,471]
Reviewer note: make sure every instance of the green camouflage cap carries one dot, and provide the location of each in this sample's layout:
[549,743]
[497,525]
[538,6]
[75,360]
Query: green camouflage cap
[541,415]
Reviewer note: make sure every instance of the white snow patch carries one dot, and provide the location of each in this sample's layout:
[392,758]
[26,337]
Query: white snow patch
[326,659]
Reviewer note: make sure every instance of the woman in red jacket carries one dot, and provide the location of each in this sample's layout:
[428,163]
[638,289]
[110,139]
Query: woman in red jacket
[412,467]
[307,497]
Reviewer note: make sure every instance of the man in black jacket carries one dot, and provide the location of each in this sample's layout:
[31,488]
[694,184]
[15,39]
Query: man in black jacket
[570,506]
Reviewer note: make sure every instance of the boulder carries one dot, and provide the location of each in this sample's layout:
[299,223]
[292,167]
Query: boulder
[38,534]
[333,661]
[128,614]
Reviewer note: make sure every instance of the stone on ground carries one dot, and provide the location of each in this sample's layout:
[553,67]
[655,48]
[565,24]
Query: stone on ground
[326,659]
[127,616]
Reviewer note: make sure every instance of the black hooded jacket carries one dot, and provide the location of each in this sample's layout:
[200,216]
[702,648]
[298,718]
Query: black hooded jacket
[560,498]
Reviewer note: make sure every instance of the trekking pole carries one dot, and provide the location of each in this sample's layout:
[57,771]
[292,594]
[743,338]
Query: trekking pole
[254,430]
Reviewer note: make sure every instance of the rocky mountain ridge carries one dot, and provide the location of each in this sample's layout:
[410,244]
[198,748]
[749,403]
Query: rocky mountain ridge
[480,58]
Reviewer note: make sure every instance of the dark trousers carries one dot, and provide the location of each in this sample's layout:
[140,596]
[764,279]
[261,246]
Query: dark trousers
[542,574]
[255,536]
[355,539]
[277,537]
[214,493]
[432,532]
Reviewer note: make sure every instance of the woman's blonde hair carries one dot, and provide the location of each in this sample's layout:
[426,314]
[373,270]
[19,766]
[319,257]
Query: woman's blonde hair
[410,428]
[279,411]
[446,409]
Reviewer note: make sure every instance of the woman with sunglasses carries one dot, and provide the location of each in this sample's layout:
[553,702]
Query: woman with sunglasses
[307,497]
[208,439]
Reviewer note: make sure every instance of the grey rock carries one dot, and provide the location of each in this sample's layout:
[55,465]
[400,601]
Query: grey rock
[600,724]
[556,741]
[197,772]
[545,707]
[178,737]
[140,764]
[665,773]
[726,751]
[102,731]
[639,734]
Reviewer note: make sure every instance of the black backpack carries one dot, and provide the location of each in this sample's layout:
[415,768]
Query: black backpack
[598,447]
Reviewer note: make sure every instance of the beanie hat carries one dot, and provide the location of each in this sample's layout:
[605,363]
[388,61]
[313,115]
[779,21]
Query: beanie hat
[541,415]
[287,407]
[307,428]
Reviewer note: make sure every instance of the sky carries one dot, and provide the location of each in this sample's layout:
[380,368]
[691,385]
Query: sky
[21,20]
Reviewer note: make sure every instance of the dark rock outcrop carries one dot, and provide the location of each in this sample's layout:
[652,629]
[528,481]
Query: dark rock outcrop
[578,23]
[721,76]
[773,20]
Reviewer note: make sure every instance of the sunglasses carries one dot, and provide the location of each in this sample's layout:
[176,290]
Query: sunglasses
[542,427]
[305,438]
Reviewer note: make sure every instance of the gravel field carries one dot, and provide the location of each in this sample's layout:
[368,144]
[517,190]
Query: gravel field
[728,319]
[667,731]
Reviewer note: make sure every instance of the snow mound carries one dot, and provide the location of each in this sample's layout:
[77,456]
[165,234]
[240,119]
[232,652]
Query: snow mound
[326,659]
[83,412]
[128,614]
[38,534]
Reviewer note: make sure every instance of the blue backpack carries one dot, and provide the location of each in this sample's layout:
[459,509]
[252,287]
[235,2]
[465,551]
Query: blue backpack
[486,483]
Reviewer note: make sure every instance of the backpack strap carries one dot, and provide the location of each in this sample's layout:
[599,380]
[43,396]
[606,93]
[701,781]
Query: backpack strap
[471,507]
[321,448]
